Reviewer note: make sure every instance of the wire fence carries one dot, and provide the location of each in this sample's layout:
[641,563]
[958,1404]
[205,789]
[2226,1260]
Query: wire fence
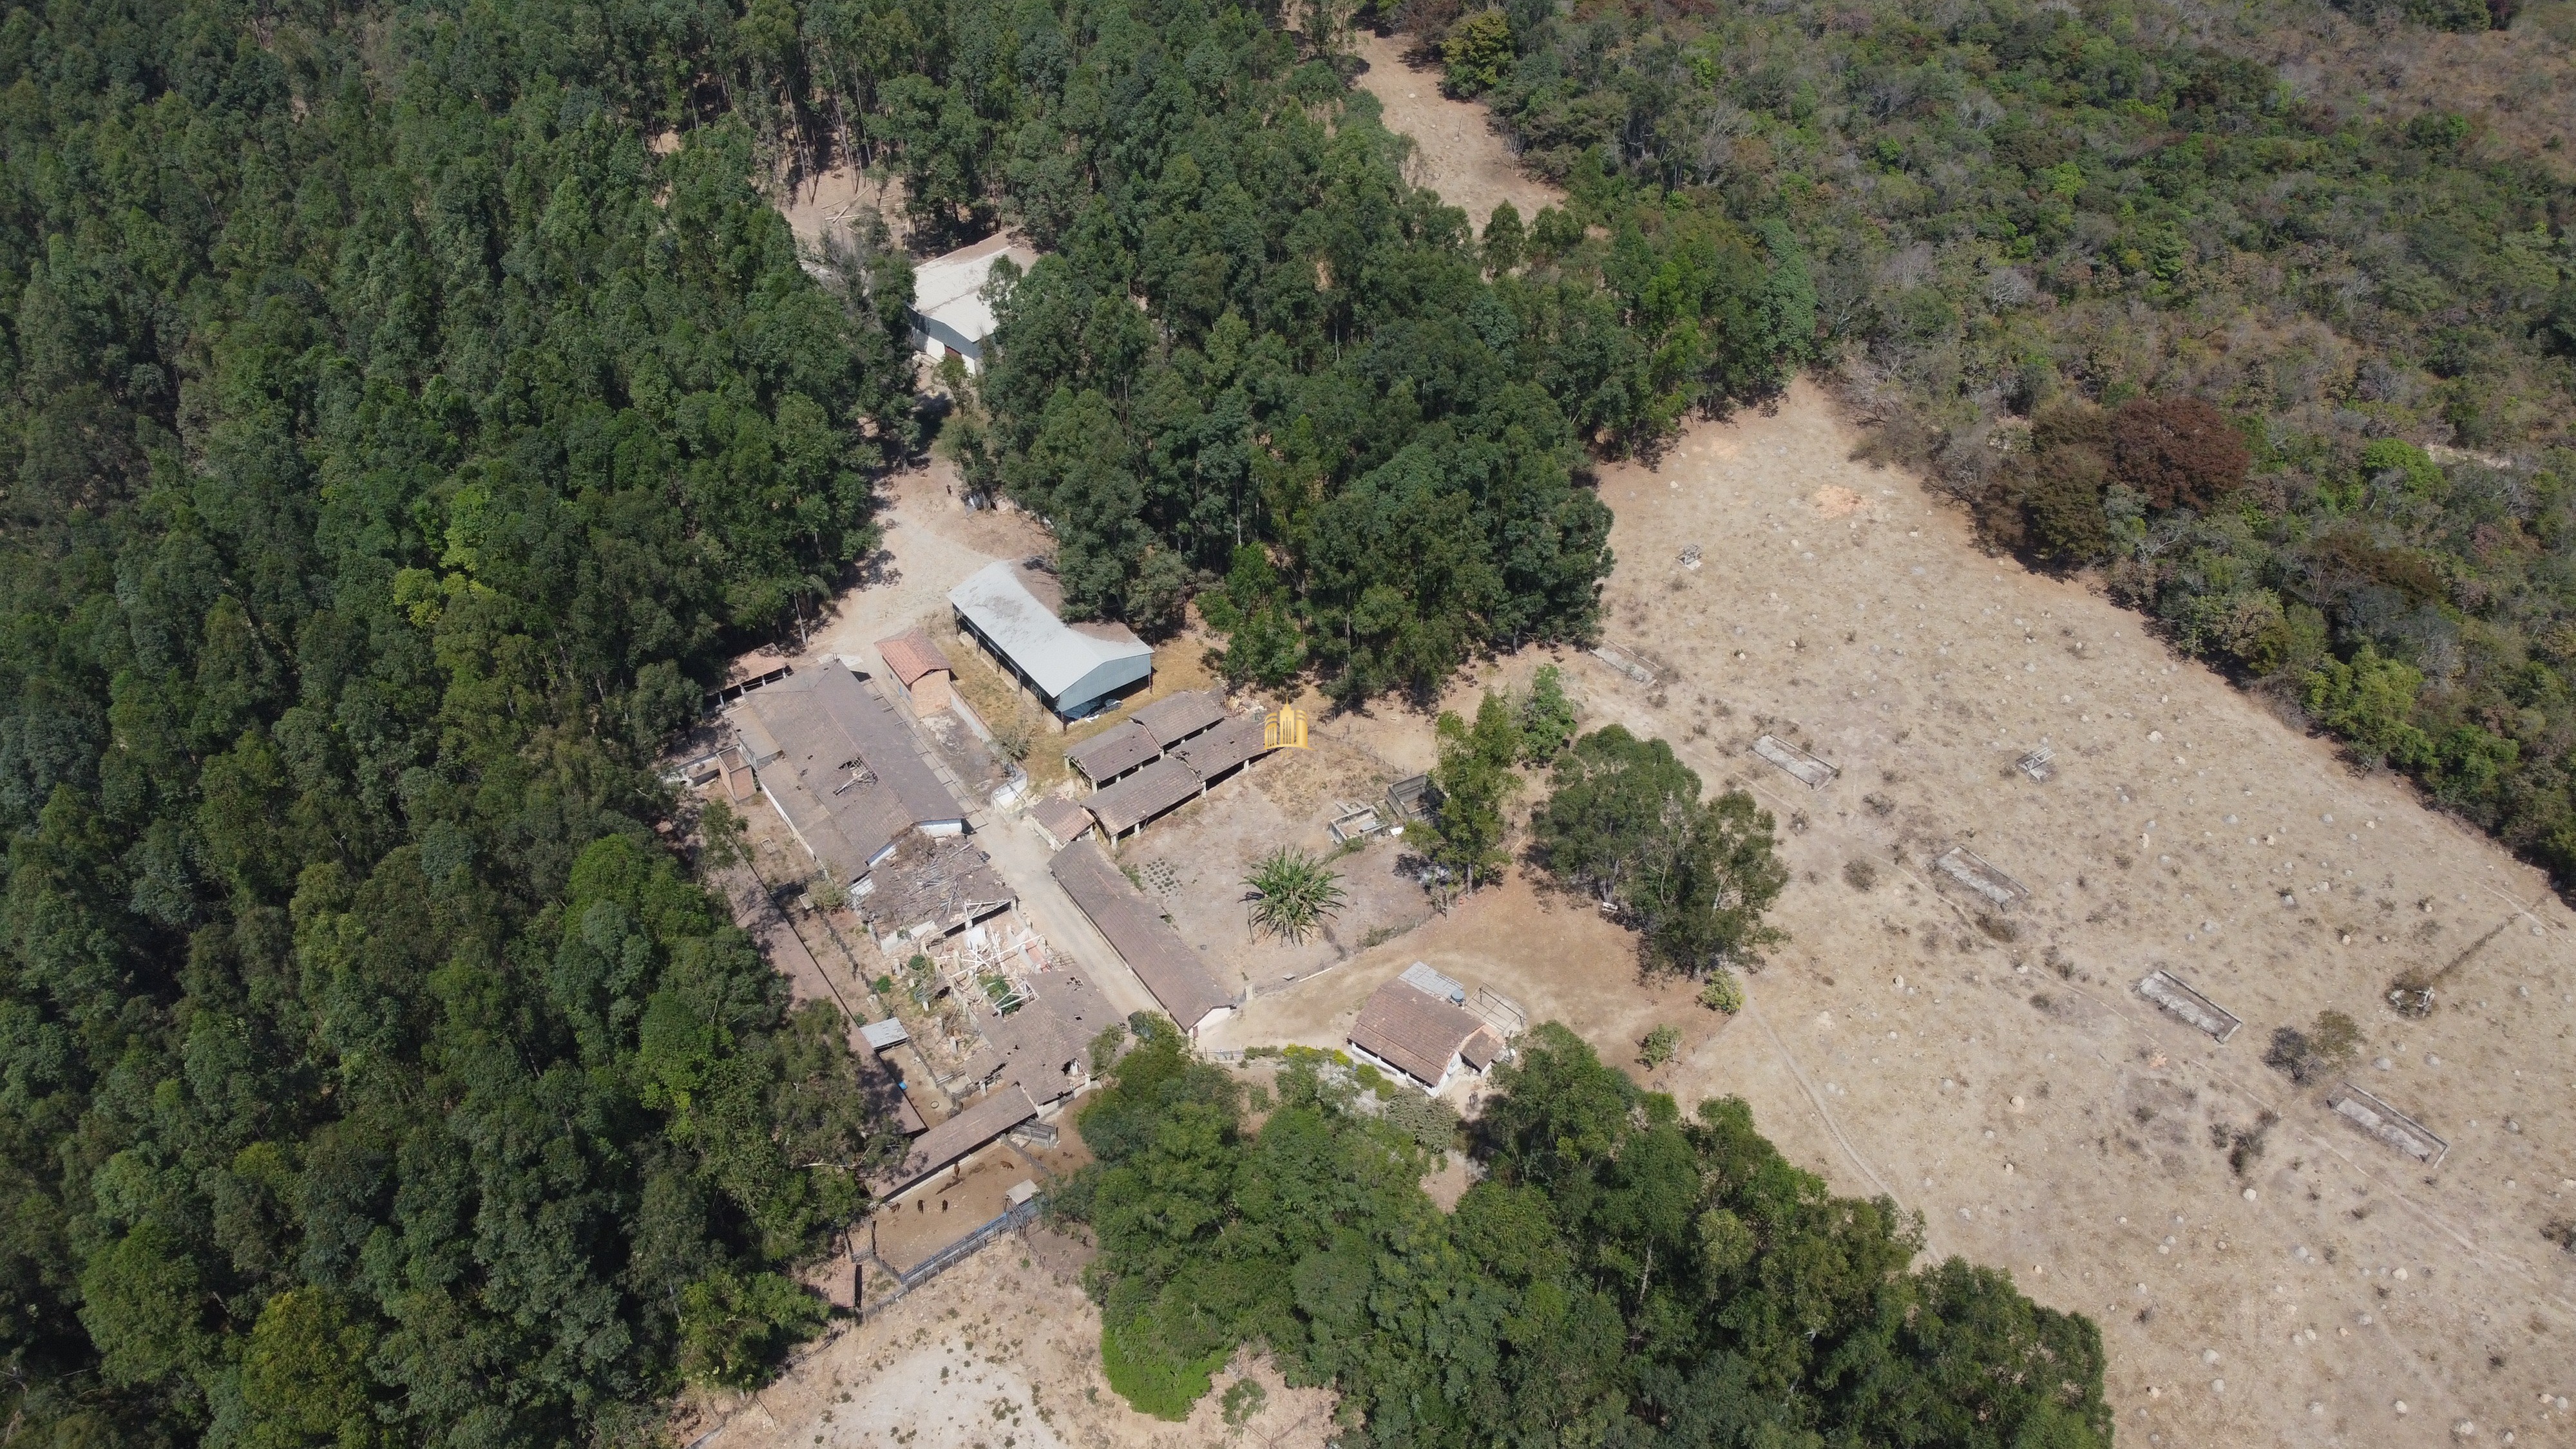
[955,1253]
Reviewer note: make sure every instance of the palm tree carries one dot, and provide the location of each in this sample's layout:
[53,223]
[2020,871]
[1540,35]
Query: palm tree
[1292,894]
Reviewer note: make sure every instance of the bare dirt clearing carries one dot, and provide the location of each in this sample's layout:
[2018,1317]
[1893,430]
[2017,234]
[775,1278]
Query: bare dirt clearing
[1456,150]
[1997,1071]
[2000,1074]
[1002,1352]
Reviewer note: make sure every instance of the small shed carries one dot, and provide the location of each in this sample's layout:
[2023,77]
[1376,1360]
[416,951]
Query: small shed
[1126,807]
[920,667]
[1061,821]
[1422,1034]
[1177,717]
[1113,754]
[948,312]
[1213,754]
[1074,670]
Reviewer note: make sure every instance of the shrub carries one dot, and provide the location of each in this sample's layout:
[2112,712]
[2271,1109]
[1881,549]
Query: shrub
[1722,992]
[1659,1045]
[1478,49]
[2179,452]
[1296,894]
[1154,1382]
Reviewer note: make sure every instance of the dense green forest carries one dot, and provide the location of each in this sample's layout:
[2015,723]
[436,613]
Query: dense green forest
[390,445]
[1622,1274]
[2229,305]
[1254,353]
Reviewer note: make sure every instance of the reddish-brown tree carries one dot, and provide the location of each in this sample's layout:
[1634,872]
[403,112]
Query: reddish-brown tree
[2179,452]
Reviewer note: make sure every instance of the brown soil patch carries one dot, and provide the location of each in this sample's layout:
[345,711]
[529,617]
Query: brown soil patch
[833,201]
[1457,151]
[1000,1352]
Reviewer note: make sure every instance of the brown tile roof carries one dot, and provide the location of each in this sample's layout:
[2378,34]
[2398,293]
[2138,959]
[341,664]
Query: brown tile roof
[842,767]
[1482,1047]
[1175,718]
[1063,820]
[1143,795]
[910,655]
[1413,1031]
[1112,753]
[1180,981]
[940,882]
[944,1144]
[1221,749]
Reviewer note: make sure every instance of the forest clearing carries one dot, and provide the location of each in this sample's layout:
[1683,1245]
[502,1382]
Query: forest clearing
[482,963]
[1998,1073]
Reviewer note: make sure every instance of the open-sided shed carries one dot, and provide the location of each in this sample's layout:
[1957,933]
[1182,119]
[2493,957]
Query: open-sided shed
[1074,669]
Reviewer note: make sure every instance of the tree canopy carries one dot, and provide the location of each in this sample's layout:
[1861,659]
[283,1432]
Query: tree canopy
[1625,1273]
[395,447]
[2287,351]
[1626,823]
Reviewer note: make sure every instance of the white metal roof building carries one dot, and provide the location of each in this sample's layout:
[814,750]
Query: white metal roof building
[948,311]
[1074,668]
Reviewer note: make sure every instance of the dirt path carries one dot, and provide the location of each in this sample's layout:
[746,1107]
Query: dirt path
[1456,150]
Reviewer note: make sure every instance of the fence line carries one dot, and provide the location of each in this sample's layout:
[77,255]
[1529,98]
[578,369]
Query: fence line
[957,1252]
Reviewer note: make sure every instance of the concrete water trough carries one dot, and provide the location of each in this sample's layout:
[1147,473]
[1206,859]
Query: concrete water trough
[2387,1124]
[1809,771]
[1969,869]
[2188,1006]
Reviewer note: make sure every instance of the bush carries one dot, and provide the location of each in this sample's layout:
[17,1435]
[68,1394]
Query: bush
[1659,1045]
[2179,452]
[1153,1382]
[1294,894]
[1722,992]
[1478,49]
[1432,1124]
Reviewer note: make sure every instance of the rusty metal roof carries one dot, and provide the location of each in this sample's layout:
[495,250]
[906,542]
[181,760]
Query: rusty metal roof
[911,654]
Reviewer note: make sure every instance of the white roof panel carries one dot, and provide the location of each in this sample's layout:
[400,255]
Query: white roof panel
[950,288]
[1055,655]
